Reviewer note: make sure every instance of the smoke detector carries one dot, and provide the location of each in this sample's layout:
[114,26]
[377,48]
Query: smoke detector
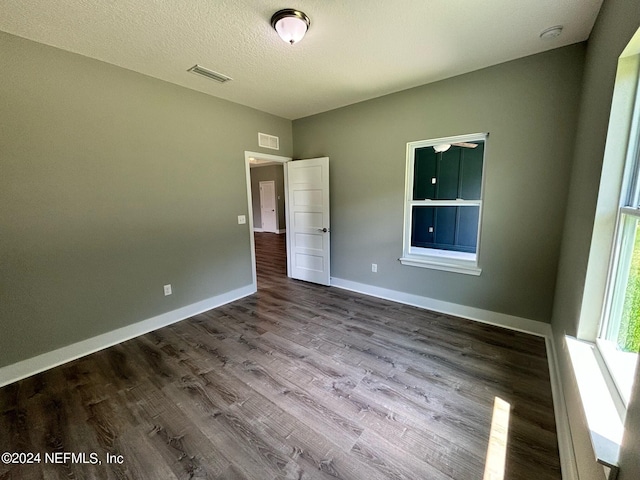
[551,32]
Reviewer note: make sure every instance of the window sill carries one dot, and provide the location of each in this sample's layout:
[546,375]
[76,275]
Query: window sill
[603,418]
[622,366]
[442,263]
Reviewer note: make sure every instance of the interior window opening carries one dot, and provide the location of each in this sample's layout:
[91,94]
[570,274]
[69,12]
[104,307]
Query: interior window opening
[444,203]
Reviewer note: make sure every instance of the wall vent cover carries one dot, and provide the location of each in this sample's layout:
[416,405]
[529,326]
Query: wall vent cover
[268,141]
[210,74]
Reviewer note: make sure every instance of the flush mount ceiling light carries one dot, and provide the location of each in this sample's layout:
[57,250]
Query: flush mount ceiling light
[290,24]
[551,32]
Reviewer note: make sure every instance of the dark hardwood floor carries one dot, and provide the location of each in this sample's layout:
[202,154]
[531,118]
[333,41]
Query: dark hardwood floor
[297,381]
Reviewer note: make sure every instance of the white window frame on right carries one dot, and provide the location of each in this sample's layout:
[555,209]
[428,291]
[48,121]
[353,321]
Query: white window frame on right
[624,269]
[440,259]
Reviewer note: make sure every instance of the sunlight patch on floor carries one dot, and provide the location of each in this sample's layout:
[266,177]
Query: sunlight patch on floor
[497,450]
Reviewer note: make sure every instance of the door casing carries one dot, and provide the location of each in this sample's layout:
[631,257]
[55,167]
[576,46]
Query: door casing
[273,158]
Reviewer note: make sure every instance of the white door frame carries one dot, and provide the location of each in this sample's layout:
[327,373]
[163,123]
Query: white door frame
[247,162]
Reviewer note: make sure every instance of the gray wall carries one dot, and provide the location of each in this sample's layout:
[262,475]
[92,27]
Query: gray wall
[617,22]
[263,174]
[529,107]
[113,184]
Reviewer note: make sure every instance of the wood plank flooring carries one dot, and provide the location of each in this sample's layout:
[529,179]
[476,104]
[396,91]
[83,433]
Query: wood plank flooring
[295,382]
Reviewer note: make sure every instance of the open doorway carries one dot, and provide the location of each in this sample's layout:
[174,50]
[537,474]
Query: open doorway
[267,216]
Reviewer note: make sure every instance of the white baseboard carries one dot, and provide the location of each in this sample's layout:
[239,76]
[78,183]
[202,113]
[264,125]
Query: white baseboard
[485,316]
[565,443]
[26,368]
[563,429]
[281,231]
[256,229]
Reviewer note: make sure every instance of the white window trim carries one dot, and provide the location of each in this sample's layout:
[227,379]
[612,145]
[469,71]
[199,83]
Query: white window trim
[450,261]
[619,366]
[436,263]
[603,405]
[603,415]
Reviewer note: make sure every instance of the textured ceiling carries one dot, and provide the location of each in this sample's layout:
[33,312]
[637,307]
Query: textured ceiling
[354,50]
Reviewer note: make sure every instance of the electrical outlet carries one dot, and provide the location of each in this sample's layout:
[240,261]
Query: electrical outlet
[242,219]
[374,267]
[167,290]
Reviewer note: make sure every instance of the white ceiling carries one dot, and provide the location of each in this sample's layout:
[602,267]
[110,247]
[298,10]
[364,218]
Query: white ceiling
[354,50]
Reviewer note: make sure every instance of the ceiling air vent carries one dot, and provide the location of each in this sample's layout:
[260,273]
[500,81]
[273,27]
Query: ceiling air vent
[210,74]
[268,141]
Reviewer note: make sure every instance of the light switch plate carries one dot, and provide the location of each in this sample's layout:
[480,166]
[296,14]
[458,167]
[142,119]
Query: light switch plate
[242,219]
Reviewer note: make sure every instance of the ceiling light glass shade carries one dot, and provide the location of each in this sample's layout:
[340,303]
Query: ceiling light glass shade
[443,147]
[290,24]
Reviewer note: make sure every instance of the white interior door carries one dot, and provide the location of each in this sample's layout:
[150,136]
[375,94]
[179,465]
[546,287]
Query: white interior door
[308,232]
[268,214]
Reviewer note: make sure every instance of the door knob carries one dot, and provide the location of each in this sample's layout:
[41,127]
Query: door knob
[324,230]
